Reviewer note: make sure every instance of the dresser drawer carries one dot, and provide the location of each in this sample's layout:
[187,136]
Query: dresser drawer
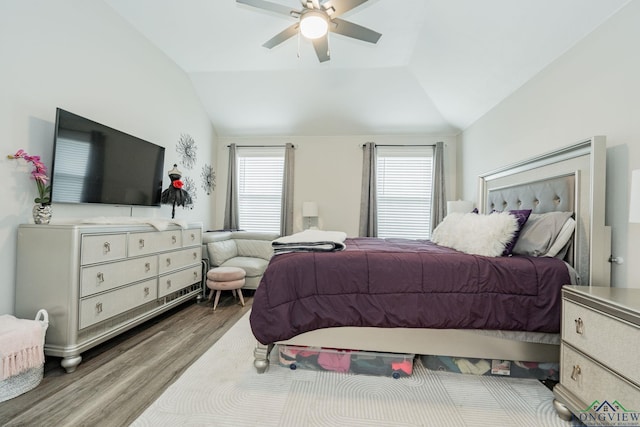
[603,338]
[179,259]
[180,279]
[192,237]
[103,306]
[103,277]
[156,241]
[103,247]
[589,381]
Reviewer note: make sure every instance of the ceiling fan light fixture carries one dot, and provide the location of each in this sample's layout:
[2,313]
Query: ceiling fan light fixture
[314,24]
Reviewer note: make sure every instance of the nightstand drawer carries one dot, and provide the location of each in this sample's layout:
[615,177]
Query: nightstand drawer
[605,339]
[589,381]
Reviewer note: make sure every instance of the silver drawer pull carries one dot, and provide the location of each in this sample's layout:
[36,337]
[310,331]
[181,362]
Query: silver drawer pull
[141,243]
[168,262]
[195,255]
[146,291]
[147,266]
[579,326]
[576,372]
[193,236]
[106,247]
[195,274]
[174,239]
[100,277]
[98,308]
[168,283]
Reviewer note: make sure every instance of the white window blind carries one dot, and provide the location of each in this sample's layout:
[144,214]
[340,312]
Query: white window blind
[404,185]
[260,172]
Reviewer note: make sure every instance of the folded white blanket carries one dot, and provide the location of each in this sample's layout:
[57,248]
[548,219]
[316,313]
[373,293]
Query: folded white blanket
[310,241]
[160,224]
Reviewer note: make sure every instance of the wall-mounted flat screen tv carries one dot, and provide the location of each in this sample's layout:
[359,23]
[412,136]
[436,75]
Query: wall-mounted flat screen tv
[93,163]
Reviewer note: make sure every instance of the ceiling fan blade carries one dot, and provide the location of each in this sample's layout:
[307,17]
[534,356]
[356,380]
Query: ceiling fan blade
[273,7]
[283,35]
[355,31]
[321,45]
[341,6]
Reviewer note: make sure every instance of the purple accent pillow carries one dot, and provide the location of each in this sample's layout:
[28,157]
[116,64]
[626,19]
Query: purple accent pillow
[522,216]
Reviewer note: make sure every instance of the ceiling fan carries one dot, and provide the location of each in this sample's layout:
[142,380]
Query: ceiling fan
[316,19]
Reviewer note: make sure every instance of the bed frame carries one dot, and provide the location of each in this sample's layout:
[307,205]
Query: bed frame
[572,178]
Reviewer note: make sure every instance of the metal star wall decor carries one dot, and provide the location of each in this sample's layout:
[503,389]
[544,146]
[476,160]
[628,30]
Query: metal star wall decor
[187,150]
[208,177]
[190,187]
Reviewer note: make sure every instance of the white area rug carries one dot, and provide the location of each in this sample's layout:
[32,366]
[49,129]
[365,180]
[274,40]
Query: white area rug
[222,388]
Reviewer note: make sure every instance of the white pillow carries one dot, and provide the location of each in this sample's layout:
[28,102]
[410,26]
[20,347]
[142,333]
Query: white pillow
[476,234]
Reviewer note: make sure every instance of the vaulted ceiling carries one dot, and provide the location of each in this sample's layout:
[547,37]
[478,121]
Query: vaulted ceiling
[439,65]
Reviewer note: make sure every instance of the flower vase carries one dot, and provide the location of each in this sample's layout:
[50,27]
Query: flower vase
[41,213]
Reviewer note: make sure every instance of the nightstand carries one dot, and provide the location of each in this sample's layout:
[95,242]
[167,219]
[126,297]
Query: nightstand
[599,356]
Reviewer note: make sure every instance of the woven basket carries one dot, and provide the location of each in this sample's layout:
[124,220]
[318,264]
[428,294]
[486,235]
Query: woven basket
[23,382]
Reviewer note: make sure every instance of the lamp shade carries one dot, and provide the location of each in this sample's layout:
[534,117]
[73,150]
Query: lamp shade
[309,209]
[460,206]
[634,197]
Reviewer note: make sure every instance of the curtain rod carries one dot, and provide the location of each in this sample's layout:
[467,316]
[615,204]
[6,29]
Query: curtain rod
[402,145]
[260,146]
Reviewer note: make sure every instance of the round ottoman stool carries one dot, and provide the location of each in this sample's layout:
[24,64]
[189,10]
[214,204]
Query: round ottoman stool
[225,278]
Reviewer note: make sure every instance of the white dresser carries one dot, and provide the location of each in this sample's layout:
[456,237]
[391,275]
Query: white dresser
[600,356]
[97,281]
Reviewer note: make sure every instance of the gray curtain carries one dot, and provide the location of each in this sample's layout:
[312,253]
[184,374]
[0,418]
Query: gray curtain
[439,199]
[368,203]
[231,216]
[286,216]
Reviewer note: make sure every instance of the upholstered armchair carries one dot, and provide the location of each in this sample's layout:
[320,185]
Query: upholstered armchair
[250,251]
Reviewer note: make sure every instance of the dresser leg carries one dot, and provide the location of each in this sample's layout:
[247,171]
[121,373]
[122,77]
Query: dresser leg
[563,412]
[70,363]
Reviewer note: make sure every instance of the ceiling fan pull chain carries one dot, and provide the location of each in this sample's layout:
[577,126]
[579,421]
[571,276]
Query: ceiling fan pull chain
[298,53]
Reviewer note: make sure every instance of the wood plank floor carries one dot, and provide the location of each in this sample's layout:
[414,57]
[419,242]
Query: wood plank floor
[117,380]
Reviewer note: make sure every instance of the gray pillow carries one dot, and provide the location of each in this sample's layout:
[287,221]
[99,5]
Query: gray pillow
[539,233]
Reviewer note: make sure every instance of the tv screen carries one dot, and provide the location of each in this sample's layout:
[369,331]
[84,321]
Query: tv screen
[93,163]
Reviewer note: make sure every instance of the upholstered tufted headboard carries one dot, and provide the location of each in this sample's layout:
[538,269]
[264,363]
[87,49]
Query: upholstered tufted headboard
[547,195]
[571,179]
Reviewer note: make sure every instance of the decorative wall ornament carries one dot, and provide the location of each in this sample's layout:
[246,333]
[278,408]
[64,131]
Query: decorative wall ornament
[208,179]
[190,187]
[187,150]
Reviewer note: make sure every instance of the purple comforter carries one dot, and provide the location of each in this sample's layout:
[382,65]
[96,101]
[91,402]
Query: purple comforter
[406,283]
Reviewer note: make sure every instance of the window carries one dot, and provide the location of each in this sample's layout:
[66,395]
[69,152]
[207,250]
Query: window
[260,172]
[404,185]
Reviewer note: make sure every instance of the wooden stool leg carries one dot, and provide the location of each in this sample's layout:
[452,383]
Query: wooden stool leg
[210,294]
[240,295]
[215,301]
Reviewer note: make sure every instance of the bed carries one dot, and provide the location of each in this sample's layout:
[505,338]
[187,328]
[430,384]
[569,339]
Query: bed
[570,179]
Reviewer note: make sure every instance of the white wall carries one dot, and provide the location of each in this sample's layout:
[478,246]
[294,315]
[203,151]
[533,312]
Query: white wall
[328,170]
[593,89]
[80,56]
